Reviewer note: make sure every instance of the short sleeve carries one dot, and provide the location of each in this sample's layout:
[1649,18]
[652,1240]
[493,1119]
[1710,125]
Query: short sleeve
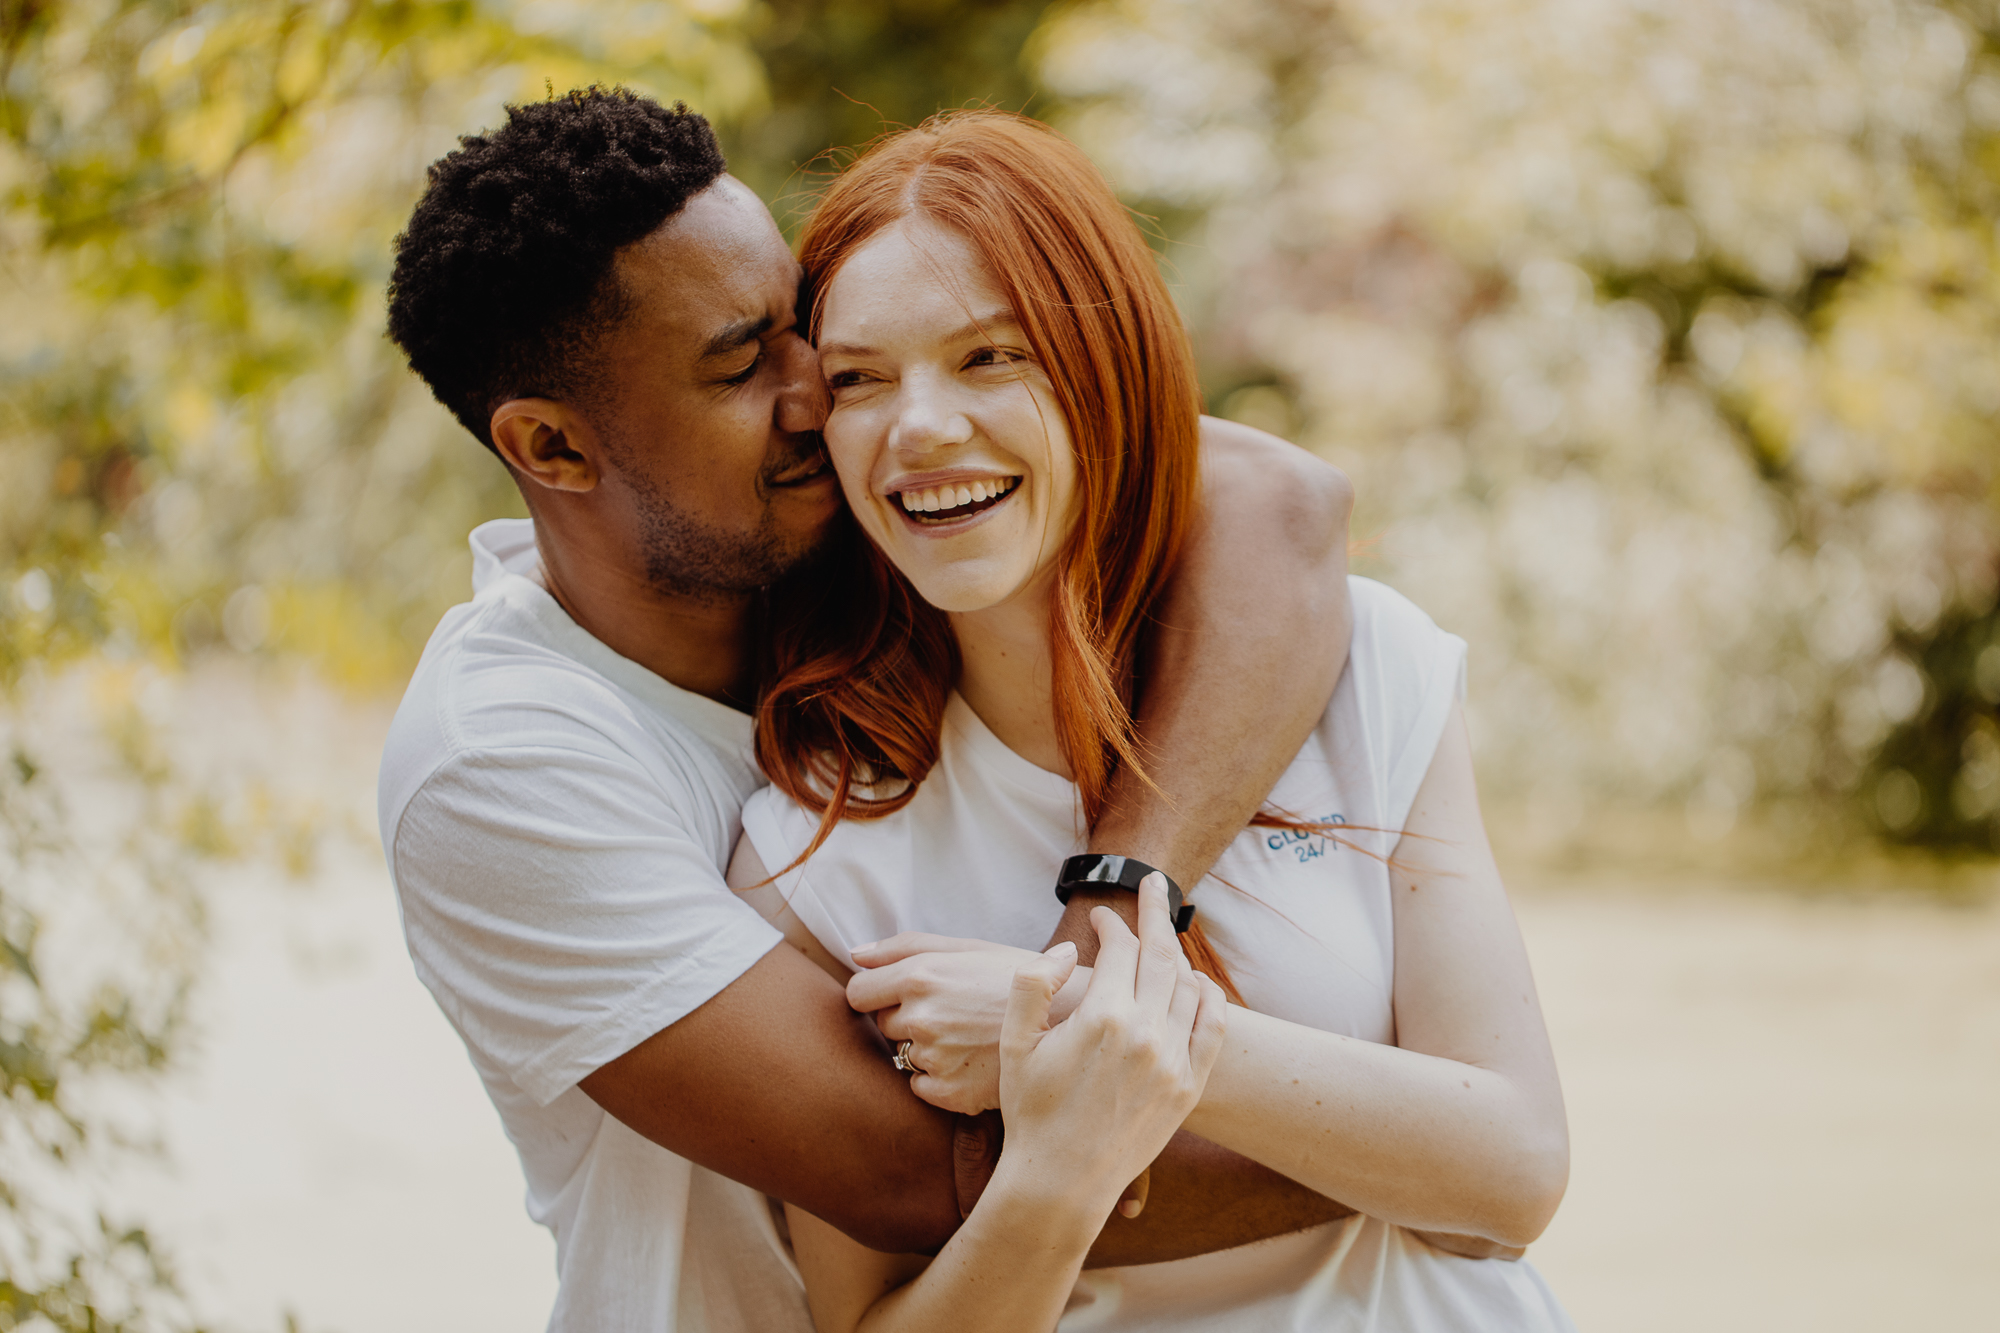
[1416,674]
[561,910]
[780,829]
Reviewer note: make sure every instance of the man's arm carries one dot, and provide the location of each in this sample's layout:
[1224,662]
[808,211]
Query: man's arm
[777,1083]
[1241,663]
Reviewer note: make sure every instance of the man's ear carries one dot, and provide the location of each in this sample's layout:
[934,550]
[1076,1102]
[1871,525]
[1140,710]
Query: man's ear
[548,443]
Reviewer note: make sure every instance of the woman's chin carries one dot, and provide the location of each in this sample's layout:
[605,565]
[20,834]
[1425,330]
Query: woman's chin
[963,601]
[963,596]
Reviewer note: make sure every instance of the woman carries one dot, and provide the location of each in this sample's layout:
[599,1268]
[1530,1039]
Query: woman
[1014,420]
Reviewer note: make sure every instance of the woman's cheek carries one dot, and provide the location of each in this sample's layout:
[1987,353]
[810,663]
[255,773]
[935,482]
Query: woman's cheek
[852,464]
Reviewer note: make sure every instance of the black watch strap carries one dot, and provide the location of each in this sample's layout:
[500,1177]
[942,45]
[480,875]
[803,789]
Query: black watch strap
[1094,872]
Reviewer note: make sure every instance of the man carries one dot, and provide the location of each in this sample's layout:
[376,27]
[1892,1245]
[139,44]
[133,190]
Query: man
[614,317]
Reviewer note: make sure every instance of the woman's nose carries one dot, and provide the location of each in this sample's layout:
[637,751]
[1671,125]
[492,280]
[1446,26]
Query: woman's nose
[927,417]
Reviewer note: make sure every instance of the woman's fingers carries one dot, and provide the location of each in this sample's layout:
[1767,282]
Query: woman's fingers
[1034,990]
[945,1094]
[1161,962]
[1117,961]
[911,942]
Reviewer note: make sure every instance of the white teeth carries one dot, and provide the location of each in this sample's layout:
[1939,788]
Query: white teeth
[951,497]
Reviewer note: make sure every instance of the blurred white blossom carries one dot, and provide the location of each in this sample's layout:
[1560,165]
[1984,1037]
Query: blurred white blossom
[1659,338]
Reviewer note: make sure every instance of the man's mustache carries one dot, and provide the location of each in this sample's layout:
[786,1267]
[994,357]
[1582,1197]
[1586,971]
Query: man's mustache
[798,465]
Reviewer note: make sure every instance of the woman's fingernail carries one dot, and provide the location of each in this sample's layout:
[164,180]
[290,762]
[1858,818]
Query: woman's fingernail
[864,948]
[1062,950]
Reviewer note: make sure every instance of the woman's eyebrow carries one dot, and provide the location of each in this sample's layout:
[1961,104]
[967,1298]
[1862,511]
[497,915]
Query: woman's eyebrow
[984,325]
[978,326]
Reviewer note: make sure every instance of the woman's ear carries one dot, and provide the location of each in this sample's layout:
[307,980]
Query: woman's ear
[546,442]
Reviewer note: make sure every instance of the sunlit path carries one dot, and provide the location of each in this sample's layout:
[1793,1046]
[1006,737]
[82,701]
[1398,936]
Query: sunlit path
[1781,1110]
[335,1154]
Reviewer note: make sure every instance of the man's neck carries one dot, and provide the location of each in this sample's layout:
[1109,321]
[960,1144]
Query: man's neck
[700,642]
[1009,676]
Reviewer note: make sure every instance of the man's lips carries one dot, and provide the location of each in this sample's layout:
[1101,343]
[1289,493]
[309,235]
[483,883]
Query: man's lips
[806,469]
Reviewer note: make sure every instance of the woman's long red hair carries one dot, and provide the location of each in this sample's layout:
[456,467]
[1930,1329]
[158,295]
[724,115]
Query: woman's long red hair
[858,677]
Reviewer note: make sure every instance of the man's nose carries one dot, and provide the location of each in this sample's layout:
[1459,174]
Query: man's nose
[803,401]
[927,417]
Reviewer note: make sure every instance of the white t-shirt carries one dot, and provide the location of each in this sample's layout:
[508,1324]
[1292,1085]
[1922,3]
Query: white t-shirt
[557,820]
[1304,924]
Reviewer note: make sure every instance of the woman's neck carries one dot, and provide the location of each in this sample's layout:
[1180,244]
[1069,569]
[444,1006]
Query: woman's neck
[1008,674]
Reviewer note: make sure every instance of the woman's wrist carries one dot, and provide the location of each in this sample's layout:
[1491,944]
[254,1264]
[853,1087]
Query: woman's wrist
[1062,1206]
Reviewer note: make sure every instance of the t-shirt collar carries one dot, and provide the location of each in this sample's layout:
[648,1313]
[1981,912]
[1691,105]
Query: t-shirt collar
[992,753]
[507,566]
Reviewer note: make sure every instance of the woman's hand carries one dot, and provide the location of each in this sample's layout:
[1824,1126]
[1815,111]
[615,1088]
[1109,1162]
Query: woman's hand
[1089,1103]
[948,997]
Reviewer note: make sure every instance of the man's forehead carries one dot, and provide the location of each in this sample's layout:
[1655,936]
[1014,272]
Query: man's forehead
[718,261]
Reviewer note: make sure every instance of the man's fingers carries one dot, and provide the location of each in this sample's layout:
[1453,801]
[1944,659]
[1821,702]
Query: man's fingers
[1034,990]
[910,943]
[1133,1201]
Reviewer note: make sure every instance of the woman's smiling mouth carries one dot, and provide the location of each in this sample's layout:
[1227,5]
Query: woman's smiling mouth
[948,503]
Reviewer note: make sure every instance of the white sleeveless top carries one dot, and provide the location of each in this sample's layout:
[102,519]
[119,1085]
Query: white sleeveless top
[1303,923]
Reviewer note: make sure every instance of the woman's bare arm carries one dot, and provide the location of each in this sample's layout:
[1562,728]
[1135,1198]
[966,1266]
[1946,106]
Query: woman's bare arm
[1458,1128]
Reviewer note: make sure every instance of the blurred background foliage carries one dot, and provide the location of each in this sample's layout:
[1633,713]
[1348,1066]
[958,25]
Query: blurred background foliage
[1660,339]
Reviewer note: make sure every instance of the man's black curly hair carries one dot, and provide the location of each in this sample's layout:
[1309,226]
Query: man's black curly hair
[504,282]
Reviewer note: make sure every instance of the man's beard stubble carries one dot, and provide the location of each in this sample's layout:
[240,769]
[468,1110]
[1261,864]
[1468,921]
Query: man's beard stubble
[688,558]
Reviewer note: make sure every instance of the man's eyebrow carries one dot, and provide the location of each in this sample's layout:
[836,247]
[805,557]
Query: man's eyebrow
[992,320]
[740,334]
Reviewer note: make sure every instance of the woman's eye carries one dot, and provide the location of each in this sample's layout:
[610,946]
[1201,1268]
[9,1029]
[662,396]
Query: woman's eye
[995,356]
[843,379]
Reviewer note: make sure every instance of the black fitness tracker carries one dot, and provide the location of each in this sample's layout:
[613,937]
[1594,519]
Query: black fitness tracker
[1091,871]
